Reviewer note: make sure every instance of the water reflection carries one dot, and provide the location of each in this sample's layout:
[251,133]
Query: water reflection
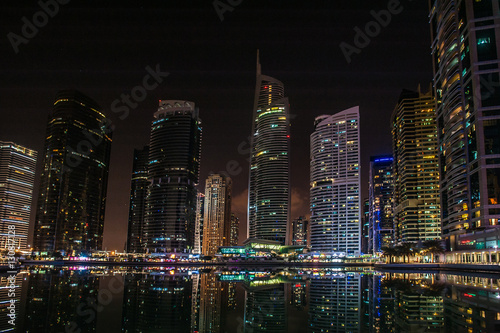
[283,300]
[157,302]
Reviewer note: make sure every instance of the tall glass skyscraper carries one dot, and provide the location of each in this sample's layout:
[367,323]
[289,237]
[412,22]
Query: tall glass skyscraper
[173,173]
[381,203]
[335,183]
[72,198]
[466,49]
[17,176]
[416,168]
[138,192]
[217,216]
[269,185]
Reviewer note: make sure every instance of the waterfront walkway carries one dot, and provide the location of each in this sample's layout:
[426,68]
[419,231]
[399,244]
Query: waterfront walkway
[440,267]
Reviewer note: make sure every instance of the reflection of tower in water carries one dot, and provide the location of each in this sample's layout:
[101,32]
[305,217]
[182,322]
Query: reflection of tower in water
[299,295]
[471,304]
[157,302]
[10,297]
[212,318]
[334,303]
[265,309]
[381,305]
[61,302]
[419,302]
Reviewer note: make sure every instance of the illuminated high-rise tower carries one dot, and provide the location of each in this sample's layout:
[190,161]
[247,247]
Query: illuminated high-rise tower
[416,168]
[17,176]
[198,226]
[217,216]
[381,202]
[335,183]
[173,173]
[138,192]
[235,230]
[299,231]
[269,185]
[466,50]
[73,184]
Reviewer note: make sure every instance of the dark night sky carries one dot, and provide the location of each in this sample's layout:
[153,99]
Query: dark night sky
[103,47]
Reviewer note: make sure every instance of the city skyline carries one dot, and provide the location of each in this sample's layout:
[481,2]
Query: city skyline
[236,166]
[222,84]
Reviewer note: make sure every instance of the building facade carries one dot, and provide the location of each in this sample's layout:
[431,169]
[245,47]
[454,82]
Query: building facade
[365,229]
[381,227]
[17,177]
[415,168]
[335,183]
[217,216]
[269,183]
[73,183]
[198,227]
[173,174]
[466,48]
[235,230]
[137,208]
[299,230]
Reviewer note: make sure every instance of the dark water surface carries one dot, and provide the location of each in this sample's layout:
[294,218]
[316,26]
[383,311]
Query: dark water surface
[90,299]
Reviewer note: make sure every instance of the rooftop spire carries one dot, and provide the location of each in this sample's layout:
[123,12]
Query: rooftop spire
[258,63]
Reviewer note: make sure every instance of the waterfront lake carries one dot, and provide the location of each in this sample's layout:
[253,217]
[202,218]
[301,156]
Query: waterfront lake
[170,299]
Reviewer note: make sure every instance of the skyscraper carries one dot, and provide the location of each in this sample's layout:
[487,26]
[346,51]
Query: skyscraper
[381,203]
[198,227]
[466,49]
[72,198]
[365,228]
[17,176]
[173,173]
[269,185]
[335,183]
[235,230]
[416,168]
[299,231]
[138,192]
[217,217]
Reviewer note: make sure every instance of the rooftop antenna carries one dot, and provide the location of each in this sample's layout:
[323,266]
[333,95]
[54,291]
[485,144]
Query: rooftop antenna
[258,63]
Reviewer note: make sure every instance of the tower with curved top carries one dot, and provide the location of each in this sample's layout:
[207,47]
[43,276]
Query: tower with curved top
[269,192]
